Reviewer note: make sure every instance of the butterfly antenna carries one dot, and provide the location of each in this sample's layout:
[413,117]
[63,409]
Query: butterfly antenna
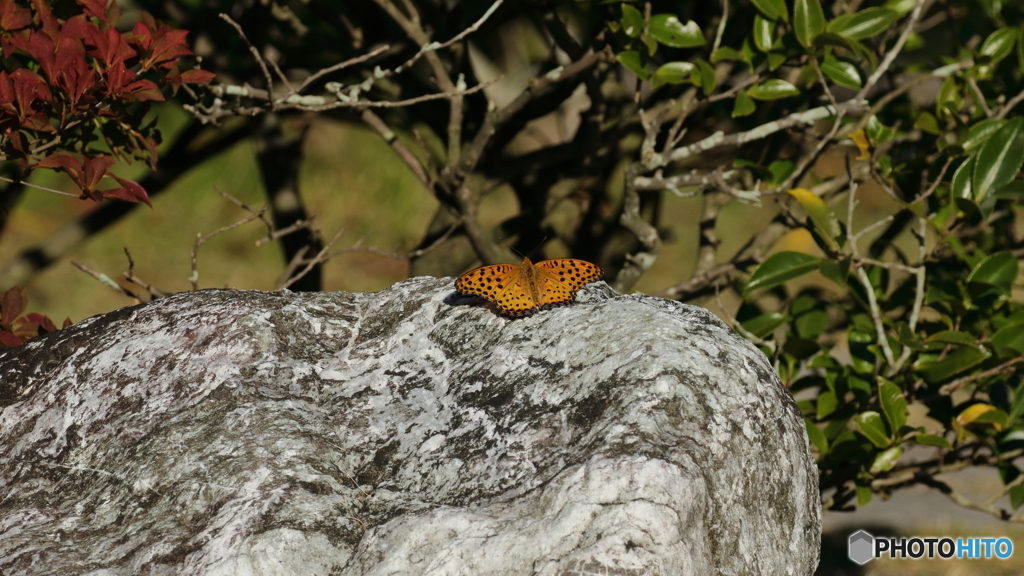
[535,248]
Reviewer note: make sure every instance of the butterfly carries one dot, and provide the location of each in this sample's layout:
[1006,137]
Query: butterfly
[521,289]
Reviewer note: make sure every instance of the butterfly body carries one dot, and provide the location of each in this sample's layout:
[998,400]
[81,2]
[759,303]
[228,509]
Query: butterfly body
[518,290]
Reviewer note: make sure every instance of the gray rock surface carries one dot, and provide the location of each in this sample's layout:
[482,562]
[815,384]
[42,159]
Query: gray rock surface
[410,431]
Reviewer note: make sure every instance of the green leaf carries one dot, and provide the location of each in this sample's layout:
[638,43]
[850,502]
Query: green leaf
[864,495]
[772,89]
[955,362]
[841,72]
[999,44]
[808,21]
[827,404]
[833,39]
[999,160]
[863,24]
[811,324]
[1016,496]
[726,53]
[632,61]
[950,99]
[744,106]
[893,404]
[927,122]
[708,82]
[954,337]
[999,269]
[873,428]
[765,324]
[816,436]
[632,21]
[900,7]
[763,32]
[1017,408]
[878,133]
[909,339]
[772,9]
[668,30]
[836,271]
[780,267]
[886,460]
[674,73]
[962,179]
[780,170]
[1009,341]
[1012,191]
[980,133]
[933,440]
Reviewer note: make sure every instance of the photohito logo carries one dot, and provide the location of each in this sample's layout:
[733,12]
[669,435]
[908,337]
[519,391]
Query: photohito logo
[862,547]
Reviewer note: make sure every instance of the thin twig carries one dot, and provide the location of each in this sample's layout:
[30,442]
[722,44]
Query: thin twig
[321,256]
[200,240]
[130,276]
[23,183]
[721,26]
[105,280]
[252,49]
[342,65]
[294,227]
[961,382]
[1010,105]
[976,91]
[891,55]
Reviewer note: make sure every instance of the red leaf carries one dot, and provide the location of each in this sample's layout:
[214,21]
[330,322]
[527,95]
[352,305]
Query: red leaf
[142,36]
[7,94]
[12,16]
[50,24]
[12,304]
[9,339]
[44,322]
[108,47]
[145,90]
[95,8]
[197,76]
[42,48]
[26,329]
[169,45]
[63,161]
[28,87]
[39,122]
[77,27]
[132,191]
[95,169]
[118,77]
[67,321]
[18,141]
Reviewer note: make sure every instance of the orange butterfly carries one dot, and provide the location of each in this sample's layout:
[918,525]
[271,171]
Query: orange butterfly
[519,290]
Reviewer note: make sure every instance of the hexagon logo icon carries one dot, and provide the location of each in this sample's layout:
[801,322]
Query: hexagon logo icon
[861,547]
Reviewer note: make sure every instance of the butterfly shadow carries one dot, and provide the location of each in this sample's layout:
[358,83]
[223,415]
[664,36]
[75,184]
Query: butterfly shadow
[457,298]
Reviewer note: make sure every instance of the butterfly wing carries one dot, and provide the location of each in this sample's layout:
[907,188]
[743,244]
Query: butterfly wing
[502,284]
[562,278]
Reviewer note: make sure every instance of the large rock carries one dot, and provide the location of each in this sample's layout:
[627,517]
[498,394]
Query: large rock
[410,431]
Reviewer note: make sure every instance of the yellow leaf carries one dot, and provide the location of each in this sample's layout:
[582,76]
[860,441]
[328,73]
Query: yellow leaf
[860,138]
[824,219]
[969,415]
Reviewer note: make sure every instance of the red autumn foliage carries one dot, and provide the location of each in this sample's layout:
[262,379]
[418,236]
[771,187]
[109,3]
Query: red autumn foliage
[60,79]
[16,328]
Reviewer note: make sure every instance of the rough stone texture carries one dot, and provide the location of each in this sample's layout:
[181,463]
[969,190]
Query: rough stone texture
[411,431]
